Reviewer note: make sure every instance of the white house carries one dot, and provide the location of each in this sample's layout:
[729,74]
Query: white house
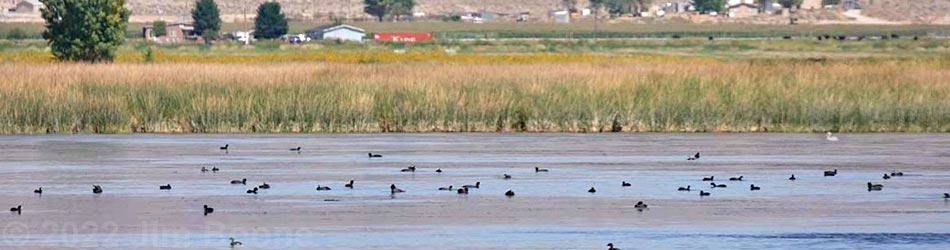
[340,32]
[562,16]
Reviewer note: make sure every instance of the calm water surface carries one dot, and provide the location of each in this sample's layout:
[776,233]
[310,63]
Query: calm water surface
[551,210]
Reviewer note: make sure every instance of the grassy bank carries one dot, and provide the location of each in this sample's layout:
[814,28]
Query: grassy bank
[536,51]
[608,94]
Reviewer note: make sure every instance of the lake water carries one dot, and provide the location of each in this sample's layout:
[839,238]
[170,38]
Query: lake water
[551,210]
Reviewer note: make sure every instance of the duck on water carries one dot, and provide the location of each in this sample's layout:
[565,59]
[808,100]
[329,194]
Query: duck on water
[393,189]
[830,137]
[831,173]
[693,157]
[610,246]
[640,205]
[477,185]
[235,243]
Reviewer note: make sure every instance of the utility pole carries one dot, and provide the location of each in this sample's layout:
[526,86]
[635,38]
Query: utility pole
[596,29]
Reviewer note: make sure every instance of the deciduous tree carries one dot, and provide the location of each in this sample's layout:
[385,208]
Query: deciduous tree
[159,28]
[708,5]
[393,8]
[790,3]
[84,30]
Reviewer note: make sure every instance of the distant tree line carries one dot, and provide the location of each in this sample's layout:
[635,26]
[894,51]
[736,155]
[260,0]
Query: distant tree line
[620,7]
[708,5]
[790,3]
[90,31]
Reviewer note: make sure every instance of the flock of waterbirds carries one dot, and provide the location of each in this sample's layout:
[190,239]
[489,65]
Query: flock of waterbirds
[465,189]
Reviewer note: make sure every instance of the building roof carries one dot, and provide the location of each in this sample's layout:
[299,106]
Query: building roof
[187,25]
[742,4]
[33,2]
[333,27]
[738,2]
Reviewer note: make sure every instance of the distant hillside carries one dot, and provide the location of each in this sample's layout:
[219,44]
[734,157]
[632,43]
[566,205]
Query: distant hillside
[918,11]
[323,9]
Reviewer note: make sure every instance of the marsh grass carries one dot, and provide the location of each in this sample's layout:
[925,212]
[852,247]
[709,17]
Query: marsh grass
[545,85]
[610,94]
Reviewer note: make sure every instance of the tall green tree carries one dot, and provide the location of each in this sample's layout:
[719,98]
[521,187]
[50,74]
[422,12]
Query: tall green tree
[270,22]
[621,7]
[376,8]
[393,8]
[617,7]
[830,2]
[207,20]
[159,28]
[790,3]
[401,8]
[708,5]
[84,30]
[642,5]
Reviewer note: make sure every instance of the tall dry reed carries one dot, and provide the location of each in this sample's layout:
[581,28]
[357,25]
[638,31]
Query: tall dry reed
[789,96]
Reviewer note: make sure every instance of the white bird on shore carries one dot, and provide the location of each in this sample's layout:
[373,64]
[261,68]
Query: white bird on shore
[831,137]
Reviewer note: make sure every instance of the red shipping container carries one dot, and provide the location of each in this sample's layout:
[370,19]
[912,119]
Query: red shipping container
[404,37]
